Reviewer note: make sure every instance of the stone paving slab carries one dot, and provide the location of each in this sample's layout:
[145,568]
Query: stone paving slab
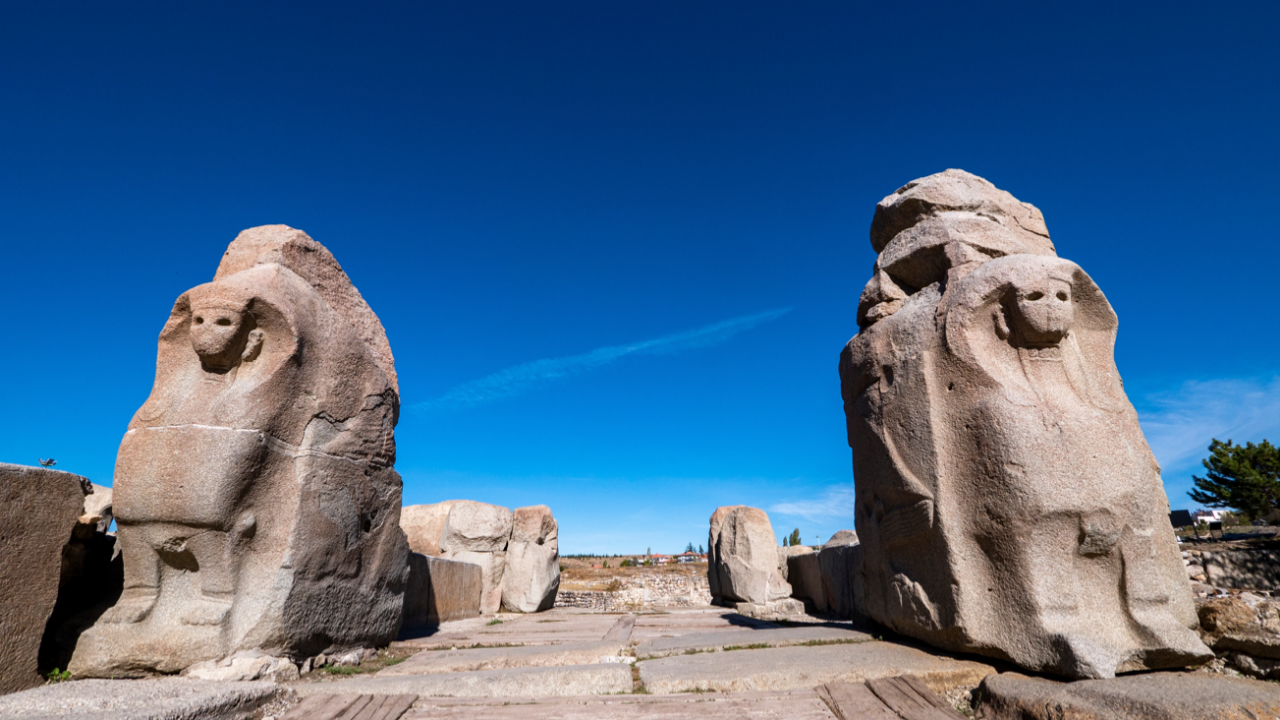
[545,628]
[160,699]
[684,621]
[512,682]
[768,705]
[805,667]
[773,637]
[443,661]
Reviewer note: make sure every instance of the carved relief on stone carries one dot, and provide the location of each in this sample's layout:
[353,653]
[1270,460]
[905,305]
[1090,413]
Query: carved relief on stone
[255,493]
[1007,501]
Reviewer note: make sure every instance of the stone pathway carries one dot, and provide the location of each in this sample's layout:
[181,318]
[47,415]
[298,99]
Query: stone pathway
[682,664]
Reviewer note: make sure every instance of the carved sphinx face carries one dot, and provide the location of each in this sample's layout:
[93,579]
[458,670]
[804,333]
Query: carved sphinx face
[218,335]
[1040,312]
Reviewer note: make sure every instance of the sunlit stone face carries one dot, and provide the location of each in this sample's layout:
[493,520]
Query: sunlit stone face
[1041,312]
[218,336]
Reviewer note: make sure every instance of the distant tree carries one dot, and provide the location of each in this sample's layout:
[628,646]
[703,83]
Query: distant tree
[625,563]
[701,551]
[690,548]
[1243,477]
[606,564]
[648,552]
[786,541]
[795,537]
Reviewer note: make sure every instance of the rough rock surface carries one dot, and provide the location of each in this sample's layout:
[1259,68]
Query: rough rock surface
[440,590]
[804,574]
[424,526]
[998,463]
[478,533]
[713,539]
[1256,568]
[98,504]
[532,575]
[840,566]
[255,496]
[747,563]
[244,669]
[38,511]
[1184,696]
[1234,624]
[162,699]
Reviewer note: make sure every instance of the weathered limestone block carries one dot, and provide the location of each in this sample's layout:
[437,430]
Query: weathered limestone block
[478,533]
[424,526]
[98,504]
[440,590]
[38,511]
[1252,568]
[747,560]
[804,574]
[1235,625]
[532,575]
[1180,696]
[91,581]
[255,496]
[1007,502]
[713,538]
[840,564]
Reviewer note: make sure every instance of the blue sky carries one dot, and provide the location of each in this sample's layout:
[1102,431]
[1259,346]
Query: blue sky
[617,246]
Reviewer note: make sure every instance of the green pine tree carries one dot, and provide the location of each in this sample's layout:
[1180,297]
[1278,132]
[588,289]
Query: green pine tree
[1242,477]
[795,537]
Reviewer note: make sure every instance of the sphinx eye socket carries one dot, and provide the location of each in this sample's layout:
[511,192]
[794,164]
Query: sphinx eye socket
[1062,296]
[1035,296]
[224,322]
[199,320]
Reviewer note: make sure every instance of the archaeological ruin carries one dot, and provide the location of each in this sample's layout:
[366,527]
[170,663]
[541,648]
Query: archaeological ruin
[1007,502]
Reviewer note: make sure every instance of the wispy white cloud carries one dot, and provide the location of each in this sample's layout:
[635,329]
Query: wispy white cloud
[523,378]
[836,502]
[1180,423]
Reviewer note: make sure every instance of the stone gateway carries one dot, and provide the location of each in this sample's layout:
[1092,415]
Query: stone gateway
[255,494]
[1007,502]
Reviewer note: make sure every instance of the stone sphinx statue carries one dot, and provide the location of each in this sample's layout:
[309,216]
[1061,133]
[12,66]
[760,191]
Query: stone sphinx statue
[255,496]
[1007,502]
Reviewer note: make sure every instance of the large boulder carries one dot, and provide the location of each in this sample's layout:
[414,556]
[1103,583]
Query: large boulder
[91,581]
[423,525]
[38,512]
[255,496]
[804,575]
[1180,696]
[478,533]
[97,504]
[1007,502]
[747,559]
[532,576]
[713,539]
[839,563]
[439,590]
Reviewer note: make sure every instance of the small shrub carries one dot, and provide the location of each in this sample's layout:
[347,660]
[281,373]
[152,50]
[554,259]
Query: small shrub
[56,676]
[494,621]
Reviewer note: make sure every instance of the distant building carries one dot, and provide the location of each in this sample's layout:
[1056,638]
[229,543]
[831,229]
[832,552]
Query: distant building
[1208,515]
[688,557]
[660,559]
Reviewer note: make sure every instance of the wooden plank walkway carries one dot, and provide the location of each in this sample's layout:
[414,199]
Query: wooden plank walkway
[351,707]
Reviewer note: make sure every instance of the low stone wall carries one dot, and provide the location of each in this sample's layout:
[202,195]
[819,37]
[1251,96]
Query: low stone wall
[644,592]
[1254,568]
